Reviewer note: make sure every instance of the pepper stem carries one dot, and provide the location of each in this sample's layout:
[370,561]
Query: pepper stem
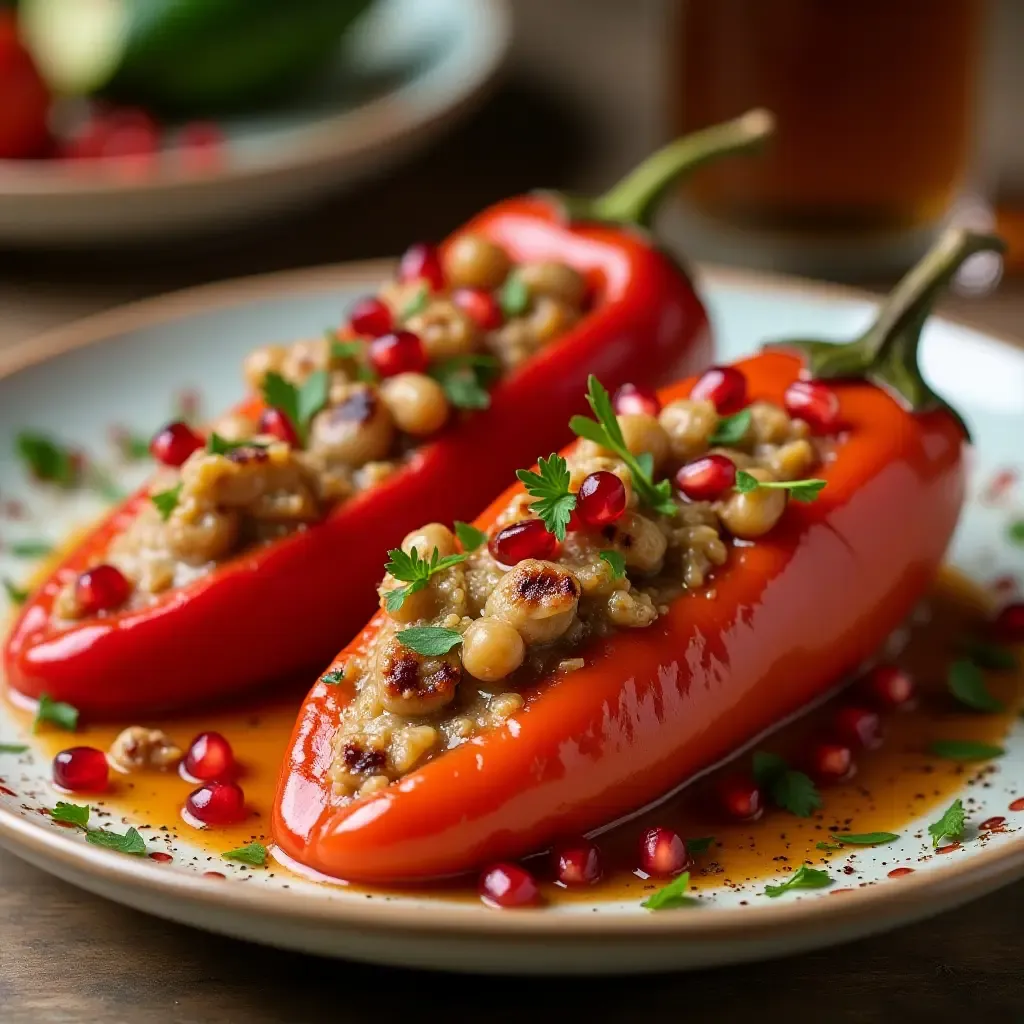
[636,198]
[887,352]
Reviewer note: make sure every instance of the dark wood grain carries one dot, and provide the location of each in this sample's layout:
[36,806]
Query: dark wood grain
[583,101]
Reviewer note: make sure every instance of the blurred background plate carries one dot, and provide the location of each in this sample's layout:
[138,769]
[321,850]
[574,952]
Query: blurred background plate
[408,69]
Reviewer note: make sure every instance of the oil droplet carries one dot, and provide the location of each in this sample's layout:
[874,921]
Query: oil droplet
[900,872]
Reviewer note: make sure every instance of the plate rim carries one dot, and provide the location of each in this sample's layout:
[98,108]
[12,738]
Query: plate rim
[979,873]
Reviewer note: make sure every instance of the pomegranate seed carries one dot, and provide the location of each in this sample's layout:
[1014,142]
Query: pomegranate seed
[175,443]
[81,770]
[740,797]
[831,762]
[508,885]
[601,499]
[401,352]
[1009,624]
[632,399]
[707,478]
[578,863]
[277,424]
[209,757]
[101,589]
[422,262]
[889,686]
[217,803]
[724,386]
[371,317]
[528,538]
[480,306]
[860,727]
[663,853]
[814,403]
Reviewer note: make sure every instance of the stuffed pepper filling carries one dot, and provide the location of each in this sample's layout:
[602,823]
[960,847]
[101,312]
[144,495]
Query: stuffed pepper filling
[339,414]
[644,507]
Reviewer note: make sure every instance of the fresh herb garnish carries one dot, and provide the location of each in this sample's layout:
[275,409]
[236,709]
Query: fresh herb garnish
[416,304]
[64,716]
[103,483]
[166,501]
[513,296]
[827,847]
[965,750]
[803,878]
[966,682]
[71,814]
[550,487]
[989,655]
[252,853]
[732,429]
[15,594]
[132,447]
[799,490]
[47,460]
[701,845]
[13,748]
[607,433]
[354,352]
[465,380]
[951,824]
[30,548]
[300,404]
[415,572]
[867,838]
[334,676]
[616,562]
[131,842]
[671,896]
[217,445]
[1016,532]
[431,641]
[469,536]
[791,790]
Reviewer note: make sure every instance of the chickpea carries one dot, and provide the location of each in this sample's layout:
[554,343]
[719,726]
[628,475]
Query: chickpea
[196,536]
[639,540]
[429,537]
[688,424]
[417,403]
[417,606]
[234,427]
[414,684]
[261,361]
[445,330]
[536,598]
[768,423]
[556,280]
[356,431]
[753,514]
[792,461]
[550,319]
[472,261]
[491,649]
[643,433]
[304,358]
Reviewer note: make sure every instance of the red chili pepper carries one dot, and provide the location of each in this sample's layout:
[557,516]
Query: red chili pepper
[652,707]
[283,606]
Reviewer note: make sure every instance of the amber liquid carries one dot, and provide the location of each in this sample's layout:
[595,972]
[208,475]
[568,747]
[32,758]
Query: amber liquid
[874,102]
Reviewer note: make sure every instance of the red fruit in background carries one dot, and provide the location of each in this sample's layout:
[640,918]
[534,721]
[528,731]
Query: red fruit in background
[663,853]
[739,796]
[859,727]
[217,803]
[81,770]
[888,686]
[577,863]
[102,589]
[724,386]
[209,758]
[632,399]
[505,886]
[24,98]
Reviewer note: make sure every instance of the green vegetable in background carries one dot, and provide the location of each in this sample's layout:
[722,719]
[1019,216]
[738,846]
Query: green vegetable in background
[185,57]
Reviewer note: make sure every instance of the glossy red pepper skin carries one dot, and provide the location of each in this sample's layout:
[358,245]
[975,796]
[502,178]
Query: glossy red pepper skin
[791,615]
[286,606]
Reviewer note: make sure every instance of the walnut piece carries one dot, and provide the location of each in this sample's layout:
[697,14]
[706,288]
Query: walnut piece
[137,748]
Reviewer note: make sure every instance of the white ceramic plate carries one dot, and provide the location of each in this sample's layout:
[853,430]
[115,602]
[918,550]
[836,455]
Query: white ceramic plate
[135,360]
[406,71]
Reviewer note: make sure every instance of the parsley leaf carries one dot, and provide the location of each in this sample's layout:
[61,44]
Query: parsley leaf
[791,790]
[345,349]
[47,460]
[964,750]
[607,433]
[951,824]
[550,487]
[71,814]
[217,445]
[300,404]
[166,501]
[416,304]
[803,878]
[965,682]
[701,845]
[13,748]
[867,838]
[251,853]
[469,536]
[513,296]
[415,572]
[671,896]
[465,380]
[989,655]
[827,847]
[799,490]
[132,447]
[64,716]
[732,429]
[30,548]
[1016,532]
[15,594]
[334,676]
[431,641]
[131,842]
[615,561]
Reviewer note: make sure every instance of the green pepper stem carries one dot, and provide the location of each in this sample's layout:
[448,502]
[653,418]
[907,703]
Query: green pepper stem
[636,198]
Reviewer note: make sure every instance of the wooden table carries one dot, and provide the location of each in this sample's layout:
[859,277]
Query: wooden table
[566,116]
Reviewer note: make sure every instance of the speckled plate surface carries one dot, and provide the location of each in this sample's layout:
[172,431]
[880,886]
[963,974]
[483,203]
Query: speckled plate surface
[138,360]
